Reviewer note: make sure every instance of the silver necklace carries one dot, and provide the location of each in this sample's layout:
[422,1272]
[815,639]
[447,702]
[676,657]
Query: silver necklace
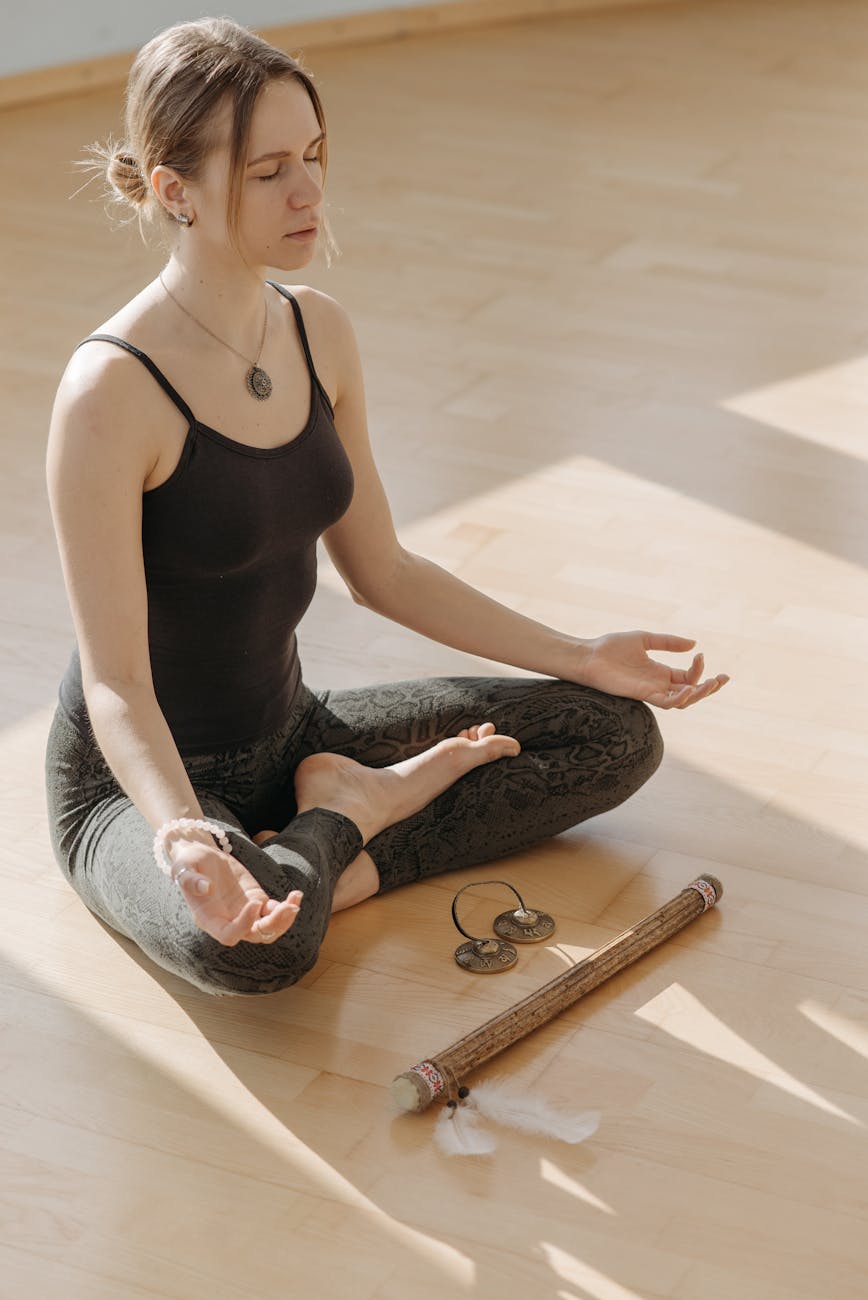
[258,381]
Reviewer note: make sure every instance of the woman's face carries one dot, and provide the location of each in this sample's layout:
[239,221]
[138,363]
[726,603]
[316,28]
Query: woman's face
[282,182]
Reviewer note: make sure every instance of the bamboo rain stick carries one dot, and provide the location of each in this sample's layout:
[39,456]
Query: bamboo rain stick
[424,1083]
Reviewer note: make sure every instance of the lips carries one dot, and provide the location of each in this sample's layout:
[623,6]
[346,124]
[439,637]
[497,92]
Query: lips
[303,230]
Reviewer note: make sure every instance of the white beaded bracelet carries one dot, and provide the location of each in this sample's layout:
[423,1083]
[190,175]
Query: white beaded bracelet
[184,824]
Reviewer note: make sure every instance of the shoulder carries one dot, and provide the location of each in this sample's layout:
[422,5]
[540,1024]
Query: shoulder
[97,374]
[322,313]
[102,376]
[98,371]
[104,404]
[330,332]
[313,302]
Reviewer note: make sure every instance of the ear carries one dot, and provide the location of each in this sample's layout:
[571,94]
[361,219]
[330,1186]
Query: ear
[169,187]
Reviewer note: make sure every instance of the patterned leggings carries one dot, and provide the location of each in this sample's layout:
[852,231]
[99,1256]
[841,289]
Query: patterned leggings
[583,752]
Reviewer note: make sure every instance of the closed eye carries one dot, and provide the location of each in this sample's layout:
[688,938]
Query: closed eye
[271,175]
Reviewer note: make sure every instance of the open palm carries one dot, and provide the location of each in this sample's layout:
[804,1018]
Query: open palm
[619,664]
[234,906]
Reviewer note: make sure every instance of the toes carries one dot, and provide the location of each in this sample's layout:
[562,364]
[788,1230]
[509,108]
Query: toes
[478,731]
[500,746]
[484,750]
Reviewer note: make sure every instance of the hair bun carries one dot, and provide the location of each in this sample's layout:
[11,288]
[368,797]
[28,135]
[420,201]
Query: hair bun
[125,176]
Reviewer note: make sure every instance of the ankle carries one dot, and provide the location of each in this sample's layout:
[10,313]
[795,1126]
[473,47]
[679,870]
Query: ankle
[359,881]
[361,818]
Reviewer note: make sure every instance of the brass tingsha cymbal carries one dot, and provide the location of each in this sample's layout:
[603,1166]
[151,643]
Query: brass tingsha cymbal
[523,925]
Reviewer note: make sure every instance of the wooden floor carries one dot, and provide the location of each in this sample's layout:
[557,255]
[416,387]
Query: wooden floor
[609,278]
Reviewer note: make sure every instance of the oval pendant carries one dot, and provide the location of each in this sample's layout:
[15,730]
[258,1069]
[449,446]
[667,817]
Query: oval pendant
[258,383]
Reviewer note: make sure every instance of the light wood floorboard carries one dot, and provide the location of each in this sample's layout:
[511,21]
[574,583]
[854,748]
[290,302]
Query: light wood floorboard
[608,275]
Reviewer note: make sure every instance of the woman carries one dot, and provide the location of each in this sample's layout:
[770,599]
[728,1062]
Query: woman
[196,453]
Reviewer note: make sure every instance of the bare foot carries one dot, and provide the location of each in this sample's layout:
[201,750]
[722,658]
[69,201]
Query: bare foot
[262,837]
[375,798]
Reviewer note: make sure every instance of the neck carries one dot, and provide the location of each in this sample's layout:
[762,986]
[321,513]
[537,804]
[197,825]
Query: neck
[225,295]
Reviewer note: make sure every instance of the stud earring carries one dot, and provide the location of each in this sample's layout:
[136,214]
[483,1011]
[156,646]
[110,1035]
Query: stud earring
[183,219]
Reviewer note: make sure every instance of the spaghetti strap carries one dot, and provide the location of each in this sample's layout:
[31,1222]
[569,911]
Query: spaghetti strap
[155,371]
[303,334]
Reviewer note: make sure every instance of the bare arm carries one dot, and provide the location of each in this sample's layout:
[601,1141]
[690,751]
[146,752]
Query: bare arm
[98,458]
[402,586]
[413,591]
[430,600]
[99,455]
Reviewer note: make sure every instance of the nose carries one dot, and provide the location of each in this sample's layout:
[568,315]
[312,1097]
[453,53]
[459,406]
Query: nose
[305,190]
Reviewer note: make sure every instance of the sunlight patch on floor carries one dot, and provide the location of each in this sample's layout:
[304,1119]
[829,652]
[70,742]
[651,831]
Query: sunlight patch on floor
[579,1273]
[828,406]
[550,1173]
[849,1032]
[681,1015]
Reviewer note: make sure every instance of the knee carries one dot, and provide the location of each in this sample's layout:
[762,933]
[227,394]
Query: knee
[629,756]
[625,741]
[247,968]
[647,751]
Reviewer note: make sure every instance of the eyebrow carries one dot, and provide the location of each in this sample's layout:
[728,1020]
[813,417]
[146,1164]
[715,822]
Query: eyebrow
[283,153]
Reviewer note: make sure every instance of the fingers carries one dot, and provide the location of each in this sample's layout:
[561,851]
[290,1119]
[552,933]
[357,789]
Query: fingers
[229,931]
[666,641]
[684,696]
[689,676]
[250,926]
[276,923]
[669,699]
[257,921]
[192,883]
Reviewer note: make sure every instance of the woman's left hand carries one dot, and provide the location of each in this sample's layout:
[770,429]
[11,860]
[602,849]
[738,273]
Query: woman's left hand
[618,664]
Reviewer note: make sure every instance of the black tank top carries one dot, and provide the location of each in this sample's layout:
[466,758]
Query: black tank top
[229,546]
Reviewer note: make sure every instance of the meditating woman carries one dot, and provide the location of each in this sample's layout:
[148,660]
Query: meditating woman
[204,439]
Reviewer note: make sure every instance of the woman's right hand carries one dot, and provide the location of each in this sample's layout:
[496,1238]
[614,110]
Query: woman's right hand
[234,906]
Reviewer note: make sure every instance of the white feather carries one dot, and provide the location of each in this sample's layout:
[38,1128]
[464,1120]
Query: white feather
[500,1101]
[459,1133]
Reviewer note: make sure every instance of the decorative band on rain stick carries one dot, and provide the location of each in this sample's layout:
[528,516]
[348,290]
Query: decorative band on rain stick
[417,1087]
[706,889]
[432,1077]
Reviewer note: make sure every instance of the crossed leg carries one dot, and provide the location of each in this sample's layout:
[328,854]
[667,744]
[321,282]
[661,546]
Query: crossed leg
[361,879]
[582,753]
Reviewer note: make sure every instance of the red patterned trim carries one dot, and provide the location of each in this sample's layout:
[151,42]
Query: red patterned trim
[706,890]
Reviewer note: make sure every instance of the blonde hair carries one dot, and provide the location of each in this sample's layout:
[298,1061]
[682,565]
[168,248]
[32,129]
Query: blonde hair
[177,83]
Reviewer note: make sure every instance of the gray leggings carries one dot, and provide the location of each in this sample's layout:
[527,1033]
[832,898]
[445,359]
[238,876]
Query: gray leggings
[583,752]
